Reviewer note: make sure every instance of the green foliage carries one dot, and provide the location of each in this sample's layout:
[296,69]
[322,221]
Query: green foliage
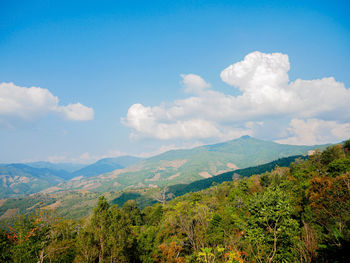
[332,153]
[133,212]
[296,214]
[38,237]
[29,234]
[147,244]
[5,247]
[153,214]
[181,189]
[271,230]
[61,245]
[22,204]
[346,146]
[215,230]
[339,166]
[108,235]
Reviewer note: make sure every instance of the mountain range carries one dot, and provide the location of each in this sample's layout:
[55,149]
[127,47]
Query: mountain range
[127,172]
[186,166]
[21,179]
[78,204]
[73,190]
[106,165]
[68,167]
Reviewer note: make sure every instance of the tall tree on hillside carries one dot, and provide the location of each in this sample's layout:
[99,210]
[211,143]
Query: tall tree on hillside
[271,232]
[30,235]
[108,236]
[330,202]
[163,195]
[121,236]
[100,221]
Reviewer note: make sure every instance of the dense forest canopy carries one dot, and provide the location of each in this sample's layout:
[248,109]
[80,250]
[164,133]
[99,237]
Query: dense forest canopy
[295,214]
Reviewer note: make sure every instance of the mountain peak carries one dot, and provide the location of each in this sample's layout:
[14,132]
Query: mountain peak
[244,137]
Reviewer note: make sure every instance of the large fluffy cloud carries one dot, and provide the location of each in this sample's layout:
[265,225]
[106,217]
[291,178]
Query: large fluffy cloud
[315,131]
[266,93]
[263,79]
[147,120]
[27,104]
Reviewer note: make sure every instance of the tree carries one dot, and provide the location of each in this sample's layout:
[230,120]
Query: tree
[108,236]
[100,222]
[169,254]
[121,237]
[330,203]
[192,220]
[163,195]
[271,231]
[87,246]
[29,236]
[332,153]
[5,247]
[62,242]
[133,212]
[346,147]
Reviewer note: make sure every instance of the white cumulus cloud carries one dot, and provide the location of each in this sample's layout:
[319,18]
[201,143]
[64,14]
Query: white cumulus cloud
[25,103]
[258,71]
[266,93]
[22,103]
[315,131]
[146,120]
[194,83]
[76,112]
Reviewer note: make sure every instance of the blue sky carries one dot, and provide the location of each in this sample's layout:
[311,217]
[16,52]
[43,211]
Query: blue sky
[141,77]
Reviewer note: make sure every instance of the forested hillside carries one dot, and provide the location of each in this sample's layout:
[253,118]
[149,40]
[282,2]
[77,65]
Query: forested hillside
[19,179]
[295,214]
[180,189]
[186,165]
[77,204]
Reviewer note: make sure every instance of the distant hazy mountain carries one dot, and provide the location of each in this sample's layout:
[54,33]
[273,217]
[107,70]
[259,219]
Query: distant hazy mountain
[20,179]
[106,165]
[68,167]
[186,166]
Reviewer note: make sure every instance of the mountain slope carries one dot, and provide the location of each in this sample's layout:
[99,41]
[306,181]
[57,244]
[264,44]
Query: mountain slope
[76,204]
[143,197]
[106,165]
[181,189]
[68,167]
[20,179]
[186,166]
